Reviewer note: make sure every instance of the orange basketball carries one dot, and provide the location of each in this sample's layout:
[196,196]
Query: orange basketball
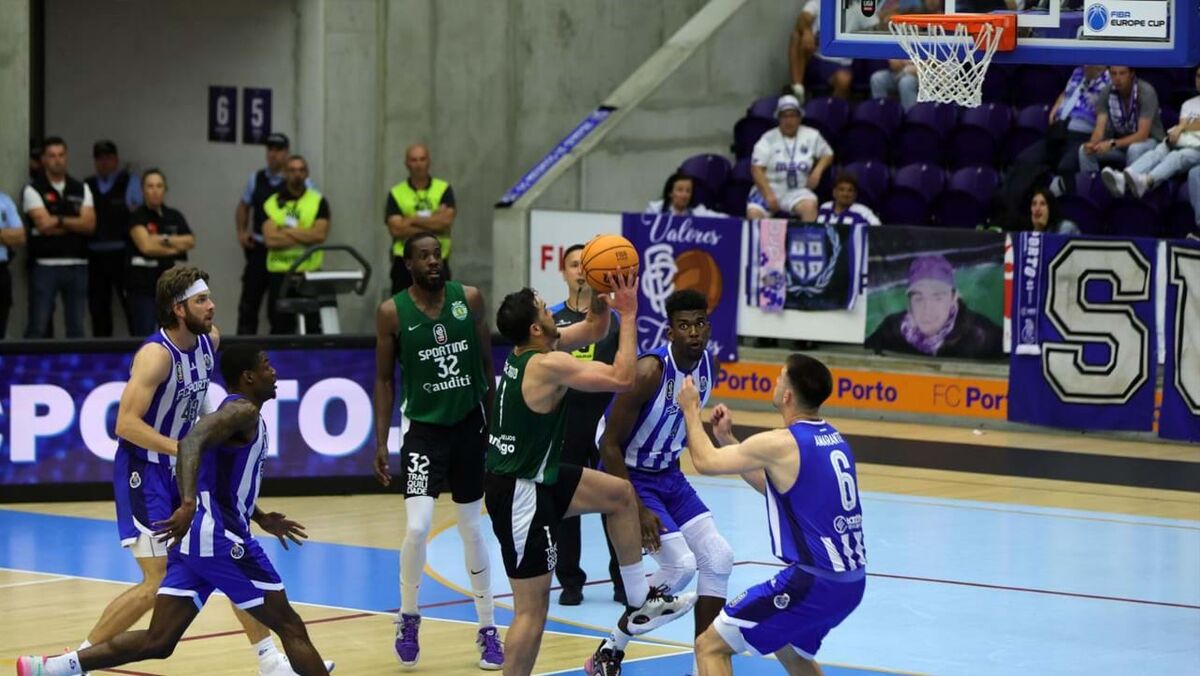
[697,270]
[607,254]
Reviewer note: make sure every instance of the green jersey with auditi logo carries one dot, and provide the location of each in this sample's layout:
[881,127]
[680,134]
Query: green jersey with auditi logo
[523,443]
[442,375]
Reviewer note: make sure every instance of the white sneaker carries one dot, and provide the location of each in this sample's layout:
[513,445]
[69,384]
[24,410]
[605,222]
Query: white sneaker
[1114,181]
[1139,182]
[284,668]
[659,609]
[798,91]
[1056,186]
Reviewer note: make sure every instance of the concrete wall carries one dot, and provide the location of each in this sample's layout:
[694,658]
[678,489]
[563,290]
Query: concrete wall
[489,86]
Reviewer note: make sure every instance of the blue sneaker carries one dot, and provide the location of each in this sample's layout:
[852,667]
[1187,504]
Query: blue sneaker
[408,648]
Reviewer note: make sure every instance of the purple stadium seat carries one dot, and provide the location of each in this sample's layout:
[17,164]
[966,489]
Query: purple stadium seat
[1163,81]
[1132,217]
[873,178]
[914,190]
[872,123]
[968,197]
[741,171]
[1028,128]
[746,133]
[1087,205]
[733,198]
[997,84]
[1038,84]
[710,172]
[1181,219]
[763,108]
[829,116]
[979,135]
[923,133]
[1169,115]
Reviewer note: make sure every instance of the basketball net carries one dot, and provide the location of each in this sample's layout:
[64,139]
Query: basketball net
[950,68]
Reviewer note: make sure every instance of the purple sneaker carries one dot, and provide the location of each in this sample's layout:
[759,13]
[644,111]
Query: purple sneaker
[491,649]
[408,649]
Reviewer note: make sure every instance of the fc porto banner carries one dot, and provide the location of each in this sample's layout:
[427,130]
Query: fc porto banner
[808,267]
[687,252]
[1084,332]
[1180,416]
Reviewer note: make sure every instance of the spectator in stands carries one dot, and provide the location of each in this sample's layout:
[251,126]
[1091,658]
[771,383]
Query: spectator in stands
[12,235]
[844,207]
[1176,155]
[116,194]
[161,237]
[297,218]
[787,165]
[1044,215]
[60,218]
[802,51]
[249,218]
[900,77]
[1193,187]
[421,203]
[679,198]
[1127,122]
[937,321]
[35,158]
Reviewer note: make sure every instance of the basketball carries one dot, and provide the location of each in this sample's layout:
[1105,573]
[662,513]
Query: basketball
[696,269]
[607,254]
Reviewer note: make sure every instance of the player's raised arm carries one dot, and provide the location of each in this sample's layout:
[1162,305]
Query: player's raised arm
[151,367]
[386,329]
[722,427]
[483,334]
[595,327]
[756,453]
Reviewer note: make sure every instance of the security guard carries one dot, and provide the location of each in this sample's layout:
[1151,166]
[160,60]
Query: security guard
[297,218]
[421,203]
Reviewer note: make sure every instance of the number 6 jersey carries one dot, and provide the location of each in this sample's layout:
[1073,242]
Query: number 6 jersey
[818,522]
[442,379]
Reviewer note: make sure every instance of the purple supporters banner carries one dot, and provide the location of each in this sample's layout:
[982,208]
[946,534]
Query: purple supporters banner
[58,414]
[1180,416]
[687,252]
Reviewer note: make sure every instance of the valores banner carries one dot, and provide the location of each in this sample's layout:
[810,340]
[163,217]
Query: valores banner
[935,291]
[687,252]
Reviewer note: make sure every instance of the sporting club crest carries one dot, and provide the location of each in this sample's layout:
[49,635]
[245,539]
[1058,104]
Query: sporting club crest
[459,310]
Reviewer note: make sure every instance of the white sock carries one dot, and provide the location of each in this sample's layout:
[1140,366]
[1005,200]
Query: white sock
[64,665]
[478,566]
[85,645]
[636,587]
[419,512]
[268,654]
[617,639]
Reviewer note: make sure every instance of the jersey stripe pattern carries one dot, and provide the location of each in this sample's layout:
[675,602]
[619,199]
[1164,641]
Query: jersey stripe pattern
[177,400]
[226,490]
[818,521]
[659,434]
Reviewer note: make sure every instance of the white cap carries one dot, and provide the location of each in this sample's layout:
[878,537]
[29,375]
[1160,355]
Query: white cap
[788,102]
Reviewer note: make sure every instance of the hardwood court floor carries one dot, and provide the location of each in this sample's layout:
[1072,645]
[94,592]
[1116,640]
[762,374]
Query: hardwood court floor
[61,566]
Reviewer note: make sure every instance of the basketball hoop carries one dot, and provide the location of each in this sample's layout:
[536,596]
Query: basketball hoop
[951,52]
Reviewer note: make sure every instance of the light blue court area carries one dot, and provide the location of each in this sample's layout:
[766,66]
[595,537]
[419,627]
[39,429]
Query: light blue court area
[955,587]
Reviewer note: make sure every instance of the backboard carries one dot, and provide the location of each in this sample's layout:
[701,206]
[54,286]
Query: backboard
[1146,33]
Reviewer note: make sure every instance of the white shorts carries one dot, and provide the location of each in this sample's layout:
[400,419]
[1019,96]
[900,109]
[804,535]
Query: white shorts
[788,200]
[145,547]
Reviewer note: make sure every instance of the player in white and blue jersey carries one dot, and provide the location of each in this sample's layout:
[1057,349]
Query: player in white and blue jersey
[844,208]
[641,438]
[807,473]
[165,394]
[220,470]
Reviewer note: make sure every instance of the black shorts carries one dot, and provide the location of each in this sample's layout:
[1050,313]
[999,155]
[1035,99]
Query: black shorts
[526,515]
[436,458]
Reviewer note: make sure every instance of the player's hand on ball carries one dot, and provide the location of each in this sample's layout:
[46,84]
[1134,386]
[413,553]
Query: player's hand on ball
[624,297]
[282,527]
[381,466]
[689,396]
[174,529]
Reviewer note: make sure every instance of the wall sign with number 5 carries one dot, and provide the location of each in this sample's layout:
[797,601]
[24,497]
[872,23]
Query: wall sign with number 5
[222,114]
[256,115]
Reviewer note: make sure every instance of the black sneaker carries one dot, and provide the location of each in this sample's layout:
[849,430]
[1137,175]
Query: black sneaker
[570,596]
[604,662]
[659,609]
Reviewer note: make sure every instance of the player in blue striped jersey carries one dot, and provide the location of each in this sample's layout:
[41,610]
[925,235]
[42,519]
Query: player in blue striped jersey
[807,473]
[641,438]
[220,470]
[165,394]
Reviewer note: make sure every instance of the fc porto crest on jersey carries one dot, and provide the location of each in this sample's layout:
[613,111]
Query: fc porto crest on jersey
[439,334]
[237,551]
[135,480]
[812,258]
[207,362]
[459,310]
[179,372]
[782,600]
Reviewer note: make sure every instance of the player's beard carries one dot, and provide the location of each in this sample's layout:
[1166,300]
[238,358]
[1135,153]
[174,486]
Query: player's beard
[433,285]
[197,325]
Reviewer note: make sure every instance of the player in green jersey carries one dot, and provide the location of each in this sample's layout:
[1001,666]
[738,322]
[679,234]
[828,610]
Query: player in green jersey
[438,331]
[528,491]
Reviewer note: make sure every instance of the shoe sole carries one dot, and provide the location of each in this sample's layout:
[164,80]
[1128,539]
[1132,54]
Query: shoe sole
[488,666]
[1110,183]
[655,623]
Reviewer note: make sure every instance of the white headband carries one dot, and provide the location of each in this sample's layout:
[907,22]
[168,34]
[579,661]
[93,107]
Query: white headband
[197,287]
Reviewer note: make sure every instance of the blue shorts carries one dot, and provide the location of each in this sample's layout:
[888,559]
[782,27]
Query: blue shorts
[669,495]
[145,492]
[241,571]
[793,608]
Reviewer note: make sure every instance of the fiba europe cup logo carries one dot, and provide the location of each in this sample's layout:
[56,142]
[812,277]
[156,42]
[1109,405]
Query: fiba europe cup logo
[1096,17]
